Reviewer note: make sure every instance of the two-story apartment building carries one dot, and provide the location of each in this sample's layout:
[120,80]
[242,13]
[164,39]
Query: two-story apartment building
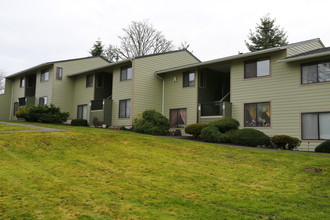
[281,90]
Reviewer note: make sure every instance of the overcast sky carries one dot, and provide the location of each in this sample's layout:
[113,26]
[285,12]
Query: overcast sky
[37,31]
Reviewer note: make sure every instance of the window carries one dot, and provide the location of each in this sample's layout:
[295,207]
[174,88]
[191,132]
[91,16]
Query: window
[125,73]
[124,108]
[256,68]
[178,118]
[188,79]
[202,80]
[257,114]
[314,73]
[43,101]
[22,101]
[22,82]
[16,105]
[316,126]
[44,75]
[89,80]
[82,112]
[59,73]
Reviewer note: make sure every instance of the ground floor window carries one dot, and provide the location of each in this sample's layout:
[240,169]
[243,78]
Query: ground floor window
[178,118]
[124,108]
[257,114]
[82,112]
[316,126]
[43,101]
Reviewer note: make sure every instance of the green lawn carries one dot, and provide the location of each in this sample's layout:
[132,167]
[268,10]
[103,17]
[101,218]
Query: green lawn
[89,173]
[4,127]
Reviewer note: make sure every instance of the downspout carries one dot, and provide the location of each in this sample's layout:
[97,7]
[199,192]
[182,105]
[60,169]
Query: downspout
[163,92]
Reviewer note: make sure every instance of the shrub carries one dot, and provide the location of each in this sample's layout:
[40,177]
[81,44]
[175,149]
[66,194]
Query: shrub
[195,129]
[79,122]
[225,124]
[96,122]
[285,142]
[151,122]
[323,147]
[210,134]
[45,114]
[249,137]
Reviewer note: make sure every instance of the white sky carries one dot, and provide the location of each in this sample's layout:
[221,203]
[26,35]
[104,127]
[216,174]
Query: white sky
[37,31]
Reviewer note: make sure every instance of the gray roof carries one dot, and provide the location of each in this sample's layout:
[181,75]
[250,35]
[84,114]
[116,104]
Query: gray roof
[234,57]
[307,55]
[47,64]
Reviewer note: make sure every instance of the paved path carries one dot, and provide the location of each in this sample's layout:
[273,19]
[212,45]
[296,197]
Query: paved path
[41,129]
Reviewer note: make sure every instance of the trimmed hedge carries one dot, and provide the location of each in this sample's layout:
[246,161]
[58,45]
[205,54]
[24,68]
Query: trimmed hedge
[195,129]
[249,137]
[151,122]
[225,124]
[44,114]
[323,147]
[285,142]
[79,122]
[210,134]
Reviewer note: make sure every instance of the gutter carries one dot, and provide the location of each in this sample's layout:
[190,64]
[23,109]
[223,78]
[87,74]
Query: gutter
[298,58]
[163,92]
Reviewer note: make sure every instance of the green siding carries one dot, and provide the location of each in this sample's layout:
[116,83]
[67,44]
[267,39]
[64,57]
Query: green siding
[121,90]
[45,88]
[66,99]
[82,95]
[147,87]
[301,48]
[107,108]
[5,102]
[99,114]
[288,98]
[177,96]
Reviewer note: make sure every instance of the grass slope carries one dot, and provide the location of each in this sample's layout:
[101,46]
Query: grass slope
[4,127]
[90,173]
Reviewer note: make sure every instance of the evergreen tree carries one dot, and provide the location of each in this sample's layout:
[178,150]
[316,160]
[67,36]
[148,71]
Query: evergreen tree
[97,49]
[266,35]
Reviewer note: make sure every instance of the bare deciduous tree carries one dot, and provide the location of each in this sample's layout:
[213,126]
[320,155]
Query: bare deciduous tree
[140,39]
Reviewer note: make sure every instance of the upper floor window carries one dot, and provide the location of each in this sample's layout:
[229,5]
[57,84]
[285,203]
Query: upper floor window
[59,73]
[257,114]
[256,68]
[188,79]
[22,82]
[89,80]
[316,72]
[44,75]
[125,73]
[315,126]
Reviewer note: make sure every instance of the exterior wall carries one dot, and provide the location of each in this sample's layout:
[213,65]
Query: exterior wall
[5,102]
[82,95]
[120,90]
[177,96]
[45,88]
[65,99]
[147,88]
[287,97]
[301,48]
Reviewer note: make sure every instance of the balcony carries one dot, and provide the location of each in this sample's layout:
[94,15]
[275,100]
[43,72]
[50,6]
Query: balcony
[212,111]
[102,110]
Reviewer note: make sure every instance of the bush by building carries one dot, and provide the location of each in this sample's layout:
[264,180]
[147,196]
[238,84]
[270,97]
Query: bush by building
[285,142]
[44,114]
[249,137]
[195,129]
[323,147]
[151,122]
[225,124]
[79,122]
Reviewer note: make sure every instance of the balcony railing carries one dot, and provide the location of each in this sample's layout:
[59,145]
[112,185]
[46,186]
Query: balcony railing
[211,109]
[97,105]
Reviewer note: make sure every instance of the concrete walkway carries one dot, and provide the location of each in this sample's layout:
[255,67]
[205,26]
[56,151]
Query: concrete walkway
[41,129]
